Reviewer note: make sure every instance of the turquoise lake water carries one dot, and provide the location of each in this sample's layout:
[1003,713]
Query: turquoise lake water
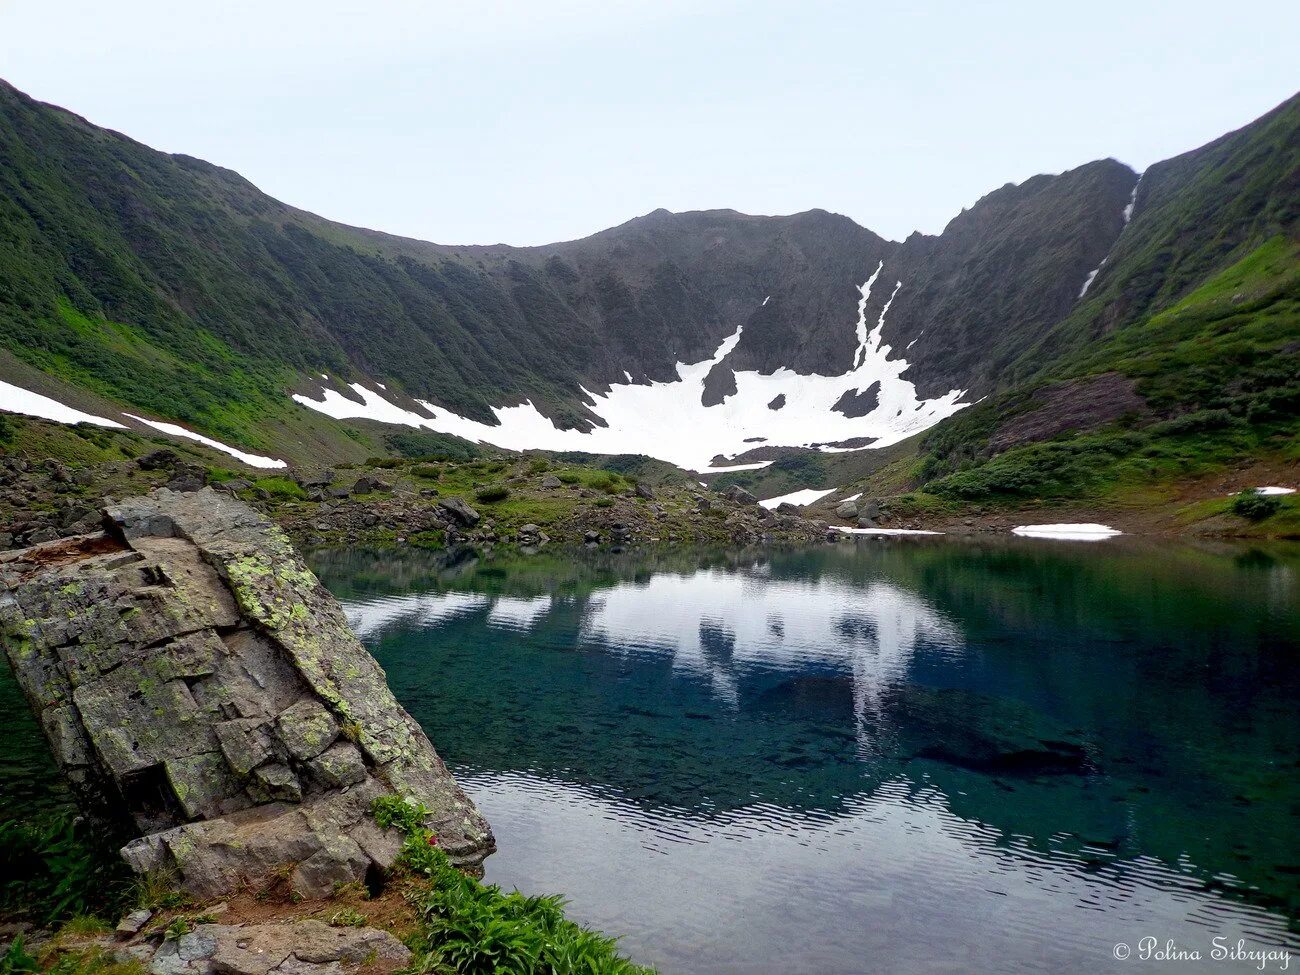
[882,756]
[895,756]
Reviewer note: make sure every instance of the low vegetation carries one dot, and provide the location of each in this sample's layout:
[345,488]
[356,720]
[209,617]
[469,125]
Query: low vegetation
[473,928]
[1219,373]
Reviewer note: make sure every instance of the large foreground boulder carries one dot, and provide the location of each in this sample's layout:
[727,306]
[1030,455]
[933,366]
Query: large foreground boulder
[203,692]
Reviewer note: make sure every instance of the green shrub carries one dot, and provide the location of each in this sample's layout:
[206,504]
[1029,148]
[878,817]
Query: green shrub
[16,960]
[473,928]
[57,868]
[492,493]
[569,477]
[432,446]
[1255,507]
[219,475]
[1197,422]
[281,487]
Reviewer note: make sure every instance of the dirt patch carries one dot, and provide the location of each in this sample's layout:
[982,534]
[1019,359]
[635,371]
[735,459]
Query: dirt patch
[1079,405]
[65,552]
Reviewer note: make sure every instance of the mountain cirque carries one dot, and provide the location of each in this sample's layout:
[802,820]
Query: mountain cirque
[203,693]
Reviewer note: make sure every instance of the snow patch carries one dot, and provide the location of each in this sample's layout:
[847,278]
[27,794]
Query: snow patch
[1132,201]
[799,498]
[252,460]
[756,466]
[1091,277]
[851,497]
[883,531]
[1271,491]
[667,420]
[15,399]
[1086,532]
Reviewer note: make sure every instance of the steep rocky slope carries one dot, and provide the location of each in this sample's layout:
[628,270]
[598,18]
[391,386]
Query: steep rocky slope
[168,286]
[172,285]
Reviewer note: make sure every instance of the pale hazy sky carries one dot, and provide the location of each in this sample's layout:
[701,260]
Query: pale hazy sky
[490,121]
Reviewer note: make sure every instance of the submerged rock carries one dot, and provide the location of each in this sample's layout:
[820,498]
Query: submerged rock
[203,692]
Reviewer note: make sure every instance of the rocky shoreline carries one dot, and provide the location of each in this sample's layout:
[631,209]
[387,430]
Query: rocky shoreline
[516,502]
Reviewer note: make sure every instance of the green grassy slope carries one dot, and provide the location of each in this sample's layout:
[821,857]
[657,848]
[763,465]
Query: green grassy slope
[1192,329]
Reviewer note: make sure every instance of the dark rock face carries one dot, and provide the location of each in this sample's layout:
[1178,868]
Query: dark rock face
[858,402]
[202,691]
[1076,404]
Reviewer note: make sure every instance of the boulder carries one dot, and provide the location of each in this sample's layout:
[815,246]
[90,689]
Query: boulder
[370,485]
[315,479]
[847,510]
[532,535]
[739,495]
[158,460]
[460,511]
[550,482]
[202,691]
[644,490]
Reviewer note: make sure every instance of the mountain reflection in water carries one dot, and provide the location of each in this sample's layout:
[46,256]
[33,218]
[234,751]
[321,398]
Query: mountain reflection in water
[896,755]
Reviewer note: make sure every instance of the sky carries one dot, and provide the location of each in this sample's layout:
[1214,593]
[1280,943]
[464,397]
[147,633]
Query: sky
[523,123]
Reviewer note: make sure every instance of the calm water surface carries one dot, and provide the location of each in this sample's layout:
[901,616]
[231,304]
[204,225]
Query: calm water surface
[888,756]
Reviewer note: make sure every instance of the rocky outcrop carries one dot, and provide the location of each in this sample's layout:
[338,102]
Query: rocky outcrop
[306,948]
[203,692]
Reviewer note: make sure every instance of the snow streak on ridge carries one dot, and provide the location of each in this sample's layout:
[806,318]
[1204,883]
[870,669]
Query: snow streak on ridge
[1128,215]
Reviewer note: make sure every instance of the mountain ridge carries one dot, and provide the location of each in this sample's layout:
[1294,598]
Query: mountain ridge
[173,285]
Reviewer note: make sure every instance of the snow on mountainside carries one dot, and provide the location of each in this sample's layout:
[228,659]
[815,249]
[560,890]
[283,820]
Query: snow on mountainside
[167,286]
[669,420]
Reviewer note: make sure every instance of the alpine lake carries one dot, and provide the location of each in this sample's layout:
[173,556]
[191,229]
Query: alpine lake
[885,755]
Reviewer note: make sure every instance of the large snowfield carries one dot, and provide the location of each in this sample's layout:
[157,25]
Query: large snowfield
[668,420]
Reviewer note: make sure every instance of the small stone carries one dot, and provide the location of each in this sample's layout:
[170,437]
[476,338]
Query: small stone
[133,923]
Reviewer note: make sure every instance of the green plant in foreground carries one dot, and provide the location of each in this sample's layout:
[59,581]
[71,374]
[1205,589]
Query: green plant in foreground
[1255,507]
[347,918]
[474,928]
[58,868]
[17,959]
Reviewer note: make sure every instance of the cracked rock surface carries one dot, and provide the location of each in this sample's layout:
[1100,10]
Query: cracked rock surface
[203,692]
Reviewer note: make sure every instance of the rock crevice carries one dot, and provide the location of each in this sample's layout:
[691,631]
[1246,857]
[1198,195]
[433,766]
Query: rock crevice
[203,693]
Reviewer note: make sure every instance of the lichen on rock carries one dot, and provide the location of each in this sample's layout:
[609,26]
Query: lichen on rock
[203,692]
